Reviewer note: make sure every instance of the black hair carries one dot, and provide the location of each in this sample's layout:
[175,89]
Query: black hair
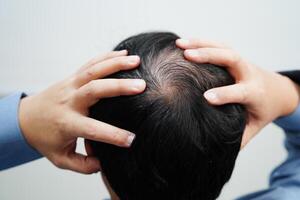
[185,148]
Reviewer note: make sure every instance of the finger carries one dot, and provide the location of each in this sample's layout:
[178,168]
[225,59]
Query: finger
[221,57]
[236,93]
[197,43]
[92,129]
[248,134]
[90,93]
[103,57]
[246,137]
[81,163]
[107,67]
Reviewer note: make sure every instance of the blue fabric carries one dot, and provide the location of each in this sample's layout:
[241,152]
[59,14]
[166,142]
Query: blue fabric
[14,150]
[284,183]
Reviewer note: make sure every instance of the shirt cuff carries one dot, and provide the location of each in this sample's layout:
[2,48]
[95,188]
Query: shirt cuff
[290,123]
[14,149]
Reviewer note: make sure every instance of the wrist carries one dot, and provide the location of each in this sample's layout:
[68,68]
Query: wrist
[24,119]
[289,93]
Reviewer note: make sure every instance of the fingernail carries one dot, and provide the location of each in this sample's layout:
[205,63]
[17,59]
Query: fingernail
[138,84]
[130,138]
[183,41]
[211,96]
[192,53]
[133,59]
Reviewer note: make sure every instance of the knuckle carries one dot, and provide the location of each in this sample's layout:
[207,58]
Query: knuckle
[90,131]
[73,80]
[108,55]
[58,162]
[112,54]
[91,62]
[90,88]
[90,73]
[116,85]
[85,170]
[206,57]
[63,100]
[244,93]
[196,42]
[98,59]
[61,123]
[119,84]
[121,61]
[63,95]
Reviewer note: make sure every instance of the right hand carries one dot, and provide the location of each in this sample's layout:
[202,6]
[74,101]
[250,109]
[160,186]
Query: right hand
[266,95]
[52,120]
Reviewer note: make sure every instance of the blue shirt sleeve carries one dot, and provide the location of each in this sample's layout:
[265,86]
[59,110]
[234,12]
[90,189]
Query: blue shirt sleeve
[284,181]
[14,150]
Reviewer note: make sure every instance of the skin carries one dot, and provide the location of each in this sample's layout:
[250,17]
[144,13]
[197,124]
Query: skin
[266,95]
[52,120]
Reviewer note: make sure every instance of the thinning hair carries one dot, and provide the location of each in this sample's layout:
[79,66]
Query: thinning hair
[185,148]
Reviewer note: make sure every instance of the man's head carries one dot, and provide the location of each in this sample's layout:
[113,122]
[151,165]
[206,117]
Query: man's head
[185,148]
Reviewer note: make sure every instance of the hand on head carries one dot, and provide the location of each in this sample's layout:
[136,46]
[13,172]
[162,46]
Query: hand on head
[266,95]
[52,120]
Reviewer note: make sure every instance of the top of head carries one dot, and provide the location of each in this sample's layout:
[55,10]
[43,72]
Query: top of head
[184,147]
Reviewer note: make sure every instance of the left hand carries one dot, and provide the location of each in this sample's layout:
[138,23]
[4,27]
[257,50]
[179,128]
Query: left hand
[266,95]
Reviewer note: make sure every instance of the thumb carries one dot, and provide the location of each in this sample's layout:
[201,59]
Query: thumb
[250,131]
[247,135]
[227,94]
[82,164]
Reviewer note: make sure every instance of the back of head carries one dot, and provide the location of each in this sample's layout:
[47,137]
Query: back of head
[185,149]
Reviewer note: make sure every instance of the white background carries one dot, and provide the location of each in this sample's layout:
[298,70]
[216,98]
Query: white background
[42,42]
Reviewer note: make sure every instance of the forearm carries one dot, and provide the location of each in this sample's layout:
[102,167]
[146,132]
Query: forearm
[14,150]
[288,95]
[291,123]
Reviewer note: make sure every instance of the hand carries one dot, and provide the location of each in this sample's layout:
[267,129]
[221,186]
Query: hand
[52,120]
[266,95]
